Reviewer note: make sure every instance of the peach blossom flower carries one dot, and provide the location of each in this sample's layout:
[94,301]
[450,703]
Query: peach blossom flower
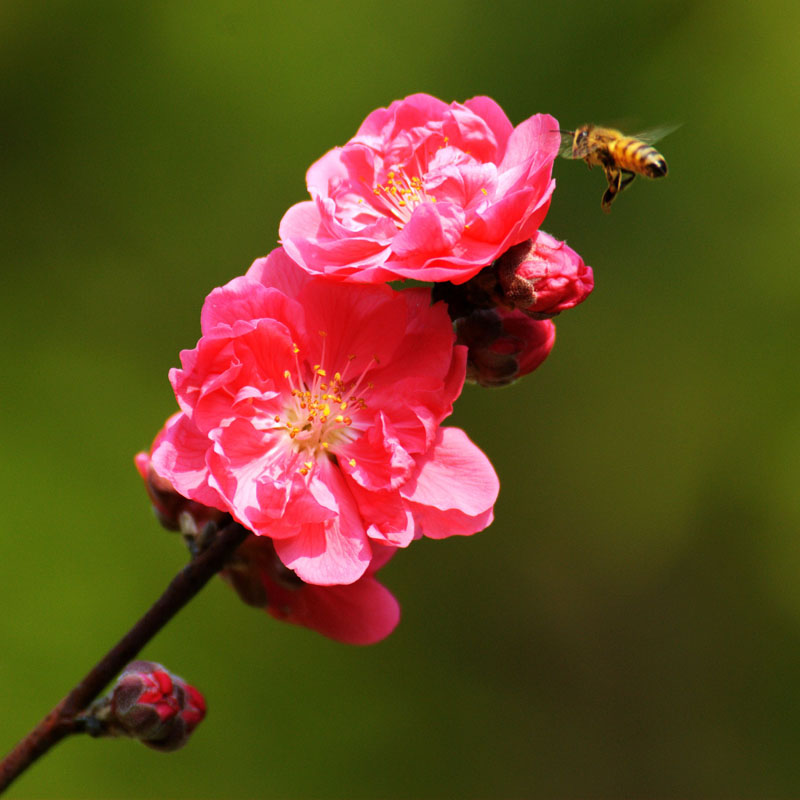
[311,412]
[424,190]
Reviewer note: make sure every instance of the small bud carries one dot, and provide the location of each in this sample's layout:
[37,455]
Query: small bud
[503,345]
[542,277]
[151,704]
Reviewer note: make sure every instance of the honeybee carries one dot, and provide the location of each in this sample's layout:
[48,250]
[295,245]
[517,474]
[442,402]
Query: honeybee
[621,157]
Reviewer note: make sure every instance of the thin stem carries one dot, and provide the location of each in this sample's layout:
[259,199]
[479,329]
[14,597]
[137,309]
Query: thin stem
[61,721]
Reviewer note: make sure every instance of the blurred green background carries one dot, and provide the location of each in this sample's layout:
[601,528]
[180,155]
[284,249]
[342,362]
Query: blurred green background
[630,624]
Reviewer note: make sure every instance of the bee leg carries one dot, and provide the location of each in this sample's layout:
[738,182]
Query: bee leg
[626,181]
[614,178]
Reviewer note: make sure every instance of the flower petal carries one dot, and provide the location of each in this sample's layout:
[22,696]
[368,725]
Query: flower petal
[180,457]
[363,612]
[456,487]
[330,552]
[434,228]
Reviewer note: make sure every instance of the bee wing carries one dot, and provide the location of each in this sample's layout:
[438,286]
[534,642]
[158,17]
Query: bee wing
[565,151]
[655,134]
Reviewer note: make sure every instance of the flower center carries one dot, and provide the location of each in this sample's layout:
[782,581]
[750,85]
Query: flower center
[401,194]
[403,189]
[319,408]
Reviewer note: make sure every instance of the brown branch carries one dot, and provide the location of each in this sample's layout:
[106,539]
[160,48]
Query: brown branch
[61,721]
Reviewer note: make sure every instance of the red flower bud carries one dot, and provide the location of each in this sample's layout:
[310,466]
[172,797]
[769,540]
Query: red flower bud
[543,277]
[503,345]
[151,704]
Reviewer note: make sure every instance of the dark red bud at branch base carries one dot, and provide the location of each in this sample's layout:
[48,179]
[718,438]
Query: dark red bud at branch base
[503,345]
[151,704]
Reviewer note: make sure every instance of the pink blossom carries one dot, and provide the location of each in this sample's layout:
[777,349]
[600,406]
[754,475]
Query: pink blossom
[311,412]
[363,612]
[424,190]
[543,276]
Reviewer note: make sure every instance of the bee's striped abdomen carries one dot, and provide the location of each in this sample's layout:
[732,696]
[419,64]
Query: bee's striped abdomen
[637,156]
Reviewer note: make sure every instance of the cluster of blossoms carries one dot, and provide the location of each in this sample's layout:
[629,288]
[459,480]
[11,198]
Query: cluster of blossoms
[311,409]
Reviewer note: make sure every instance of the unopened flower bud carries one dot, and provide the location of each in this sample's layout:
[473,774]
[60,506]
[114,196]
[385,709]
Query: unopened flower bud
[503,345]
[542,277]
[151,704]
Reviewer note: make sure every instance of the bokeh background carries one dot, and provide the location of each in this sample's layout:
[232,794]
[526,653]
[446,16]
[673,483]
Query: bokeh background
[630,624]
